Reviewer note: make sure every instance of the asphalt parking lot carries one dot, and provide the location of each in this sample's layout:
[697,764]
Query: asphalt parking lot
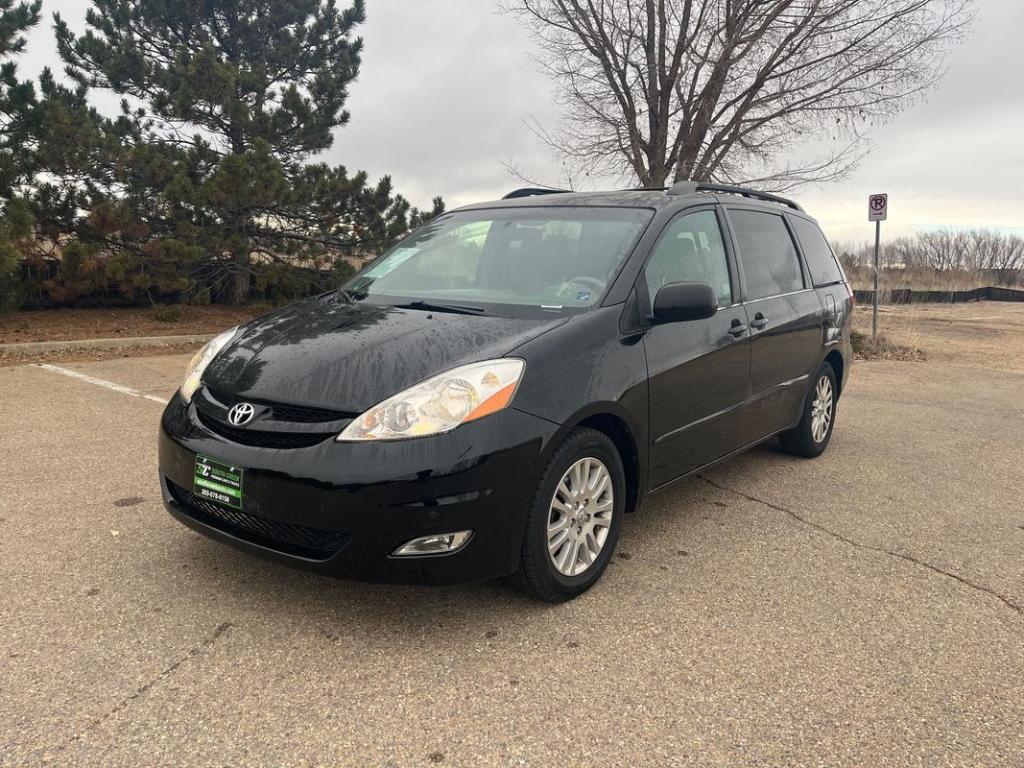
[863,609]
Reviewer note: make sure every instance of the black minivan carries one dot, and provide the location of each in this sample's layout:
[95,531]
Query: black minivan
[493,394]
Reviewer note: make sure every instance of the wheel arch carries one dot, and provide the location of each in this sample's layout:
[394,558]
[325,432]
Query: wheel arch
[835,359]
[616,429]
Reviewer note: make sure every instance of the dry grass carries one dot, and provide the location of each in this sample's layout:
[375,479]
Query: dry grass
[985,334]
[167,313]
[880,347]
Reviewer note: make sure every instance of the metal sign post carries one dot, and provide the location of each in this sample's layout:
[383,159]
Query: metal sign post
[878,211]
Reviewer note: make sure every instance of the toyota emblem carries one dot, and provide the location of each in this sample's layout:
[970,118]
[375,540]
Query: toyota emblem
[241,414]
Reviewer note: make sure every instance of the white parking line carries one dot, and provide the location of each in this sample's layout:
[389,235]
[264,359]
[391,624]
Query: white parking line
[101,383]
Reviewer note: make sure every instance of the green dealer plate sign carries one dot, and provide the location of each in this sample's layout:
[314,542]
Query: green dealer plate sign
[218,482]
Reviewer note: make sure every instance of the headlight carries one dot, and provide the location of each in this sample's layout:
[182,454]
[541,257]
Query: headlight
[196,368]
[440,404]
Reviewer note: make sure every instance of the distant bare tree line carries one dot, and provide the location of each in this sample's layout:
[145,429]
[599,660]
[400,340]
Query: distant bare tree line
[948,250]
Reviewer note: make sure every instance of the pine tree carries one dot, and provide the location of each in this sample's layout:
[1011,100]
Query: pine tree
[232,99]
[16,100]
[16,97]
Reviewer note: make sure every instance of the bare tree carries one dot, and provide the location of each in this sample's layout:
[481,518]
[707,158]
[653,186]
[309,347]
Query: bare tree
[726,90]
[994,256]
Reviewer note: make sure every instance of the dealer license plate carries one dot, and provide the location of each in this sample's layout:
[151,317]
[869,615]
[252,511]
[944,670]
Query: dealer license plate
[221,483]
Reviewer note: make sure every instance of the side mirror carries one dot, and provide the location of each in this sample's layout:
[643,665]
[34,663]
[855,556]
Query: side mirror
[677,302]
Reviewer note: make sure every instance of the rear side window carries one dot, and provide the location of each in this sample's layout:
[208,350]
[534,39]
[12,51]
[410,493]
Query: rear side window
[770,262]
[821,262]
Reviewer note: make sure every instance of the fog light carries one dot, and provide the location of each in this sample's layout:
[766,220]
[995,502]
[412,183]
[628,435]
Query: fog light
[435,544]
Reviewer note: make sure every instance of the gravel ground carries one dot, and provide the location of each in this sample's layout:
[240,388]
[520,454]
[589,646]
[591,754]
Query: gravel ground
[863,609]
[83,354]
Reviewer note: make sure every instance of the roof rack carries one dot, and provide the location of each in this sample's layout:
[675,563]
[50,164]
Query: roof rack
[689,187]
[531,192]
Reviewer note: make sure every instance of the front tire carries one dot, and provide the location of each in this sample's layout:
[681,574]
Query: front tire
[574,521]
[814,432]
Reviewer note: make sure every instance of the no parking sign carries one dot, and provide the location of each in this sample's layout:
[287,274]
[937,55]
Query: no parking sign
[878,207]
[878,210]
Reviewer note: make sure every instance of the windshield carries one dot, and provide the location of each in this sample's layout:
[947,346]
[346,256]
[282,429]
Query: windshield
[542,259]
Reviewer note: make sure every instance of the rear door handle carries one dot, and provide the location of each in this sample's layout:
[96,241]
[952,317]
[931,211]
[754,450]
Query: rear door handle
[737,329]
[759,321]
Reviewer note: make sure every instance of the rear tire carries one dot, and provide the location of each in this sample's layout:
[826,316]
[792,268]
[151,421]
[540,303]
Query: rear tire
[580,502]
[814,432]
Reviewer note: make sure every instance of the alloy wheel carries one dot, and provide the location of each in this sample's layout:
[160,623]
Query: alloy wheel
[580,516]
[821,409]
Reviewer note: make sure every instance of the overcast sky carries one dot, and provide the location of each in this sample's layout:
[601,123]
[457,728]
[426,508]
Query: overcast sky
[446,87]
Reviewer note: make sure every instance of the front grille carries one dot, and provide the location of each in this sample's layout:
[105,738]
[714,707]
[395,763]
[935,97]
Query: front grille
[298,540]
[261,439]
[295,414]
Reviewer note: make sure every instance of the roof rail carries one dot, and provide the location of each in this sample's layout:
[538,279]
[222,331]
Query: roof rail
[532,191]
[682,188]
[689,187]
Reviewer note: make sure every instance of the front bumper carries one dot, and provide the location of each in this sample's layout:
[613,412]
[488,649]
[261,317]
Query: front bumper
[343,508]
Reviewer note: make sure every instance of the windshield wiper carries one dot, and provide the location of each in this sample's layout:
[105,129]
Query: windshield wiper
[337,296]
[455,309]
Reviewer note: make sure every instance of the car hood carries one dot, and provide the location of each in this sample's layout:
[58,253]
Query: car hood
[349,357]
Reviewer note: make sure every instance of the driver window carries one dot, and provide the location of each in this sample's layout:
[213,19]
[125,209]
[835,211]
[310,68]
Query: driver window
[691,251]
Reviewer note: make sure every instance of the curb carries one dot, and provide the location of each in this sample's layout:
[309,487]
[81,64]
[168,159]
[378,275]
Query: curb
[37,347]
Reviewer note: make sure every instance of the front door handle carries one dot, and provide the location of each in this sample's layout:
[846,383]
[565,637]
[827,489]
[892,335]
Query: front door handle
[737,328]
[759,321]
